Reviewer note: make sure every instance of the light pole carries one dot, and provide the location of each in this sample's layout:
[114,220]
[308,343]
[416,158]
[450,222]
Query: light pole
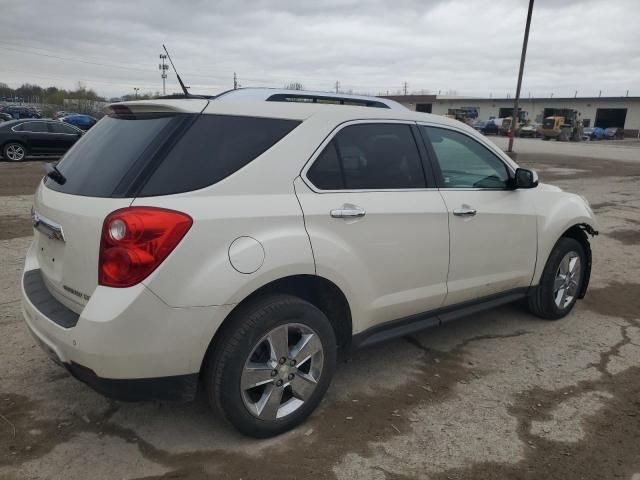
[136,90]
[515,115]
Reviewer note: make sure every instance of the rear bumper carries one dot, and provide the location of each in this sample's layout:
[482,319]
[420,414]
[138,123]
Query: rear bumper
[177,387]
[126,343]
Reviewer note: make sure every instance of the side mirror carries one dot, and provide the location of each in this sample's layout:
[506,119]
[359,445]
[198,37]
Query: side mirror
[526,178]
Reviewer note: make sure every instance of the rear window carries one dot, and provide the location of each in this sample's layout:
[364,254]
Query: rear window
[159,155]
[99,161]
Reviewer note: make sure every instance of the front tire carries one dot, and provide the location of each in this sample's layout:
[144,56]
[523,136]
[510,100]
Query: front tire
[561,281]
[14,152]
[271,366]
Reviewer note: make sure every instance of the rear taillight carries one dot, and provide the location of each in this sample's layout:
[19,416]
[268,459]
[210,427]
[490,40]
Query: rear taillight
[135,241]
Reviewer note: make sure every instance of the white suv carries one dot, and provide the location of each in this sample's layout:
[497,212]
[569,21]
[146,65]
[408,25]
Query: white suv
[240,242]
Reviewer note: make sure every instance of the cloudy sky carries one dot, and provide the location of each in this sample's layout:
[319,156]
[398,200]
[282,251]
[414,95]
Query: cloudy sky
[463,47]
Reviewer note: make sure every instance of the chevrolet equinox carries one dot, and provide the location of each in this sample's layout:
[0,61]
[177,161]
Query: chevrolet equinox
[238,243]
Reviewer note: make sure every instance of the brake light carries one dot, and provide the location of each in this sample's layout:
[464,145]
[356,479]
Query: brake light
[135,240]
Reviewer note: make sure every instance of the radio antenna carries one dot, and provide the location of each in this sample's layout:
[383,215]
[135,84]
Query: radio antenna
[184,89]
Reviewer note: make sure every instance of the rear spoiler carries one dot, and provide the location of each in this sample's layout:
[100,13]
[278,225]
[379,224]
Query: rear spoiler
[192,105]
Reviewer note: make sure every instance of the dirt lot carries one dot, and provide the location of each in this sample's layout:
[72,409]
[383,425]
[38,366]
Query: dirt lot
[494,396]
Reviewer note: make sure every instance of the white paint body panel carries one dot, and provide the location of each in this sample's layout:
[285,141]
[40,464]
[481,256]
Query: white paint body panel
[495,250]
[392,262]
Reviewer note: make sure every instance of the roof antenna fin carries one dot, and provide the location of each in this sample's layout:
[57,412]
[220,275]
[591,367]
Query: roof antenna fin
[184,89]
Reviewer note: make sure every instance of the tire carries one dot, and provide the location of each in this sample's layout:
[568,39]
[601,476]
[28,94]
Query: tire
[547,301]
[251,334]
[14,152]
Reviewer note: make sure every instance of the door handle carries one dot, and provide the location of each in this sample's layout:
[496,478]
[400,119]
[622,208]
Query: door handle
[464,212]
[348,211]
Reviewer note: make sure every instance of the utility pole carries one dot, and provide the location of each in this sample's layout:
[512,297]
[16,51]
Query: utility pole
[515,113]
[235,81]
[163,72]
[136,90]
[405,88]
[337,86]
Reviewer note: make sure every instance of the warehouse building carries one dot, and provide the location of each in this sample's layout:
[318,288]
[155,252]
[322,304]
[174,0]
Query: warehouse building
[604,112]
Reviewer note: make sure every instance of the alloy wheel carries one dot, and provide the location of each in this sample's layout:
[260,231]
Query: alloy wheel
[282,371]
[565,285]
[15,153]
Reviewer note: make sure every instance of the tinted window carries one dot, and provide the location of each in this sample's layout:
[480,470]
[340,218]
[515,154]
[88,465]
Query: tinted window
[61,128]
[158,155]
[371,156]
[98,162]
[36,127]
[464,162]
[325,173]
[212,149]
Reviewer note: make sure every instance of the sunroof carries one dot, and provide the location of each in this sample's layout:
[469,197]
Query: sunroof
[306,98]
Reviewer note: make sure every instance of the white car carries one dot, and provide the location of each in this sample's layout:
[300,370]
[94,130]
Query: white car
[242,241]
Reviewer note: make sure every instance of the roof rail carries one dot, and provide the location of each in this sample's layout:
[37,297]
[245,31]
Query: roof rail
[326,99]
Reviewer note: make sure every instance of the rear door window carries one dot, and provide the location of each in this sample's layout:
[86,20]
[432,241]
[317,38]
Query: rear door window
[369,156]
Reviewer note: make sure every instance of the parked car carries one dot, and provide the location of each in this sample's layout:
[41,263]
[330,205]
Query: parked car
[487,127]
[242,241]
[592,133]
[530,130]
[84,122]
[613,133]
[4,117]
[19,138]
[20,111]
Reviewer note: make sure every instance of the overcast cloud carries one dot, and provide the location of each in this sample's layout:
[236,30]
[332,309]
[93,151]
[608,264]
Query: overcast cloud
[467,47]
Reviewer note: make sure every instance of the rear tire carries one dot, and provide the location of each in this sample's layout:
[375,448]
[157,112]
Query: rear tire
[561,281]
[14,152]
[271,366]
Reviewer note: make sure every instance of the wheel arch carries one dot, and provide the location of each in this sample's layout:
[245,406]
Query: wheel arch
[579,232]
[317,290]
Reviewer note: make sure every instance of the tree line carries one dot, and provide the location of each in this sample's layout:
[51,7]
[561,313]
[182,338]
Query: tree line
[32,93]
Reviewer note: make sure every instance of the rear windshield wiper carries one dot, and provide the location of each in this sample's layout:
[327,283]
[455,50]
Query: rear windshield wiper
[54,174]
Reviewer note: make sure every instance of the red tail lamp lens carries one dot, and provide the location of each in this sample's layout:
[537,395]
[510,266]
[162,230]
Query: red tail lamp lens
[136,240]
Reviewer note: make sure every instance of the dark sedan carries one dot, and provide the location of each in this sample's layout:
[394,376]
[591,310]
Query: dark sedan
[19,138]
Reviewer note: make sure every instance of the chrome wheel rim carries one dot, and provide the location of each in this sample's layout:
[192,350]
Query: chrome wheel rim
[15,153]
[565,286]
[282,371]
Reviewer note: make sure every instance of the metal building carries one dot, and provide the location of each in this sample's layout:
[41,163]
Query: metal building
[622,112]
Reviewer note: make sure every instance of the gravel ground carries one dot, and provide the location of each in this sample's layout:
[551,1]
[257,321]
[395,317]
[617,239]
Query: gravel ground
[494,396]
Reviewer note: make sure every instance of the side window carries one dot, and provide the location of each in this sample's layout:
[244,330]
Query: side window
[213,148]
[465,163]
[369,156]
[326,173]
[61,128]
[35,127]
[18,128]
